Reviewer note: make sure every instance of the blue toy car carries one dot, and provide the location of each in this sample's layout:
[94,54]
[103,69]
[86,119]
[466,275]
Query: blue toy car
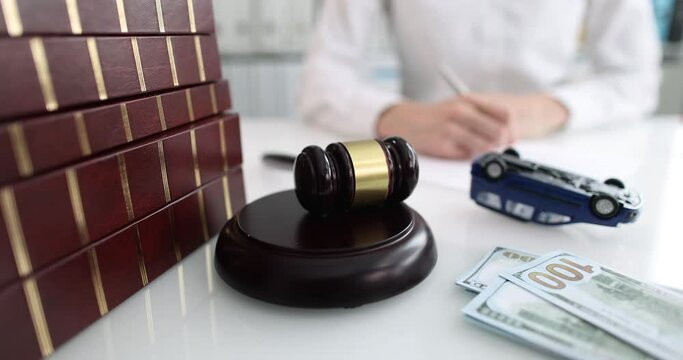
[533,192]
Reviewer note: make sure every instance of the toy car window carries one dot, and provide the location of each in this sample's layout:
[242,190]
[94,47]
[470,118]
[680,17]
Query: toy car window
[552,218]
[489,199]
[519,209]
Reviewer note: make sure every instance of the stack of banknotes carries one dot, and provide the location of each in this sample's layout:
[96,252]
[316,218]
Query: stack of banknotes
[574,307]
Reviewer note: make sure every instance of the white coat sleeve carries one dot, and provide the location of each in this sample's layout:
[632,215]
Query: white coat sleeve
[333,92]
[624,54]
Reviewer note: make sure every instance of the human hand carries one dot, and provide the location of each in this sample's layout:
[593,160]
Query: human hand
[458,128]
[531,116]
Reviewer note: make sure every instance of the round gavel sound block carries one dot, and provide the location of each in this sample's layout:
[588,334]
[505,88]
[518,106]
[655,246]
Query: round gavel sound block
[355,174]
[277,251]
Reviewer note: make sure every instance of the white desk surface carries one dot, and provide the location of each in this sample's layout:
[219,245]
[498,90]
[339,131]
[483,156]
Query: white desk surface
[189,313]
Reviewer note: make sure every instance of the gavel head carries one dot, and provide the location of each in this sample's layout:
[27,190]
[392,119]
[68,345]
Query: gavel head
[355,174]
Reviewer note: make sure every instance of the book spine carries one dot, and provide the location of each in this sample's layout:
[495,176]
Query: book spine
[42,311]
[105,17]
[34,146]
[46,74]
[50,216]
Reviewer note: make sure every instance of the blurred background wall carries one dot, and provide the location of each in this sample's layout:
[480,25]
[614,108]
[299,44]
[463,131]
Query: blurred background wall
[262,44]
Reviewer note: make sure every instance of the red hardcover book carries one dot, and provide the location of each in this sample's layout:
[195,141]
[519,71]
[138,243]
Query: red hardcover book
[42,311]
[33,146]
[50,216]
[46,74]
[105,17]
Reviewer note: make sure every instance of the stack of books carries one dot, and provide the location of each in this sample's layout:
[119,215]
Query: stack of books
[118,157]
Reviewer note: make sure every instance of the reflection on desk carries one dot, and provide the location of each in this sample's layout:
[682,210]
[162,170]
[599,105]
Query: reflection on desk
[188,313]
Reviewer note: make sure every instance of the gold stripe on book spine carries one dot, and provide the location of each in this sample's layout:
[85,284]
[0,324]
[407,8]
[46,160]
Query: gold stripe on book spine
[10,10]
[171,60]
[174,241]
[35,308]
[226,197]
[77,205]
[195,160]
[97,68]
[164,173]
[162,116]
[125,186]
[200,58]
[202,214]
[224,148]
[82,133]
[212,93]
[10,215]
[81,224]
[96,278]
[121,10]
[190,108]
[126,122]
[138,63]
[22,156]
[74,17]
[190,12]
[160,16]
[141,259]
[43,71]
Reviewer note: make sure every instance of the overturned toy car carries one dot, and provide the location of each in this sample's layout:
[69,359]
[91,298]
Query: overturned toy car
[533,192]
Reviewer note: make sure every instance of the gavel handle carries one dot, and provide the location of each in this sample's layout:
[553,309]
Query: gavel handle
[279,160]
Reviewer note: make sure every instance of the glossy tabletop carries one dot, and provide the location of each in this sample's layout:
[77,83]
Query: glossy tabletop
[189,313]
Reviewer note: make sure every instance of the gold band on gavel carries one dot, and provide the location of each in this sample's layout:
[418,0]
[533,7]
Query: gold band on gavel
[371,172]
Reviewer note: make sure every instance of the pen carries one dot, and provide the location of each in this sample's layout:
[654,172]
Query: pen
[453,80]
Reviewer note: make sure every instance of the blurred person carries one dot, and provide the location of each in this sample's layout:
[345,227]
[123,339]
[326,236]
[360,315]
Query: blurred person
[518,58]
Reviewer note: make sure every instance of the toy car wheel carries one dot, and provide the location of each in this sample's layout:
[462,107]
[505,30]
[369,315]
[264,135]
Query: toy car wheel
[511,152]
[615,182]
[494,169]
[604,206]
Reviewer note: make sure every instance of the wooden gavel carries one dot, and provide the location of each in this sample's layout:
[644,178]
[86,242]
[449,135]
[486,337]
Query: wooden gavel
[355,174]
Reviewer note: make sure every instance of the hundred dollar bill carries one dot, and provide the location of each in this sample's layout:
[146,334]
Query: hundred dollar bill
[520,314]
[647,316]
[495,262]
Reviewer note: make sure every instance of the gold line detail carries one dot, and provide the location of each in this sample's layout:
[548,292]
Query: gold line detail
[141,259]
[43,71]
[126,122]
[138,64]
[195,160]
[97,68]
[96,277]
[174,241]
[120,8]
[74,17]
[224,148]
[200,57]
[162,116]
[125,186]
[164,173]
[212,93]
[10,214]
[77,205]
[82,133]
[10,10]
[370,171]
[202,214]
[171,60]
[226,197]
[35,307]
[20,148]
[160,16]
[190,12]
[190,108]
